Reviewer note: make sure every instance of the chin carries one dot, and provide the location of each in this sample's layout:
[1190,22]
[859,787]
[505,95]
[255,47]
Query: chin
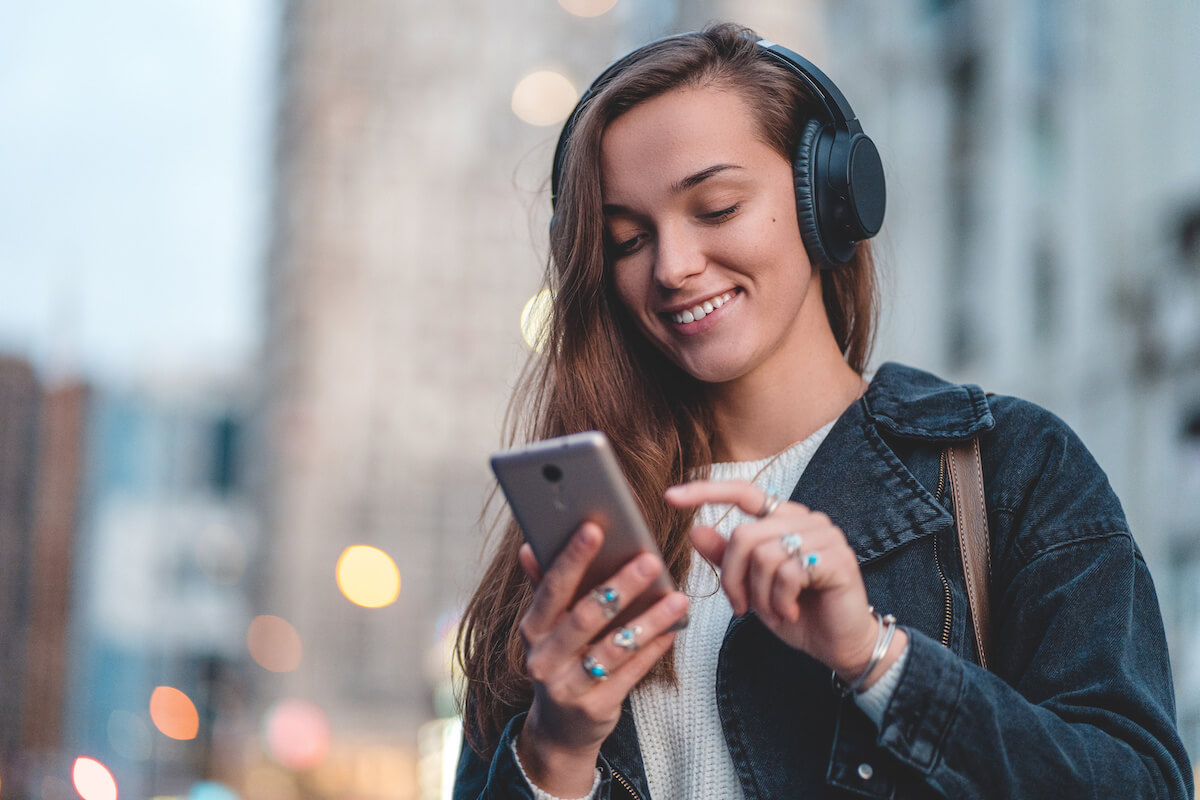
[711,372]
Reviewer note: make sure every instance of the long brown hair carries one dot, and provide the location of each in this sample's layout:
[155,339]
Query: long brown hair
[596,371]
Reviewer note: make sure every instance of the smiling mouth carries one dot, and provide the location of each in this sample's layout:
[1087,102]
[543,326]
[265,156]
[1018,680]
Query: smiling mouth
[702,310]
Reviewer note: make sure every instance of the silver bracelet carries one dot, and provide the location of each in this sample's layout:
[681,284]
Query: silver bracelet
[883,640]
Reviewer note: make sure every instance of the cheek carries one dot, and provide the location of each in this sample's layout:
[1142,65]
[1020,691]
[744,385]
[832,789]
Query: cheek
[629,290]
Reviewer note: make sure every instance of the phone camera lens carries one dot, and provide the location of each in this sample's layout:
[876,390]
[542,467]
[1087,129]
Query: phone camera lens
[552,473]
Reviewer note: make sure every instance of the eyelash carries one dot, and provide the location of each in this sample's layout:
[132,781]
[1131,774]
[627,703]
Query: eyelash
[722,215]
[630,246]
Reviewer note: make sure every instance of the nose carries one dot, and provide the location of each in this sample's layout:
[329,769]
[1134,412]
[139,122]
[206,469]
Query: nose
[677,257]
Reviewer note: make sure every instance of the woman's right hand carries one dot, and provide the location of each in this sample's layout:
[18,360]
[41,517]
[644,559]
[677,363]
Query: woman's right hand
[573,711]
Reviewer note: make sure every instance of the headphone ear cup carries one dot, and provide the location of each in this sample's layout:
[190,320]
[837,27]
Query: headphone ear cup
[805,179]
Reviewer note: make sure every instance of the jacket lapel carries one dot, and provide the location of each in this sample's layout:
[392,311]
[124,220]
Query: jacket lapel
[862,485]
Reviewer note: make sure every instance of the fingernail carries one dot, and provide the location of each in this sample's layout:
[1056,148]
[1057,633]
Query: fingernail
[646,566]
[677,603]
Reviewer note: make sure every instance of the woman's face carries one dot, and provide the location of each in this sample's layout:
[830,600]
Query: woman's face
[706,249]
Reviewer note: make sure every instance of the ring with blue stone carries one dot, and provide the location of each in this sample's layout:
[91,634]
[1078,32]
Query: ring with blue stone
[608,598]
[627,637]
[595,670]
[810,561]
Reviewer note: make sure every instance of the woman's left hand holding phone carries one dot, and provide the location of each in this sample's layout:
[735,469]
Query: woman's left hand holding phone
[580,680]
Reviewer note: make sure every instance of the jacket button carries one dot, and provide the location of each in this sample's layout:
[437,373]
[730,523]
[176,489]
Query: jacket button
[865,771]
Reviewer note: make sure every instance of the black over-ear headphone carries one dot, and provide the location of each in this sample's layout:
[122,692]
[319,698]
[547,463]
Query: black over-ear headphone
[840,192]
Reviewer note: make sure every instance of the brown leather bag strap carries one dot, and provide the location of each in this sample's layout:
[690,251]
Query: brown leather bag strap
[974,543]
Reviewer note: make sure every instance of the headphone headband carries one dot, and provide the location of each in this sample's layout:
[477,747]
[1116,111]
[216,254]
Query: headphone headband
[836,106]
[831,96]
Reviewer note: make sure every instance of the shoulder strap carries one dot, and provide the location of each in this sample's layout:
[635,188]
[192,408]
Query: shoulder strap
[974,545]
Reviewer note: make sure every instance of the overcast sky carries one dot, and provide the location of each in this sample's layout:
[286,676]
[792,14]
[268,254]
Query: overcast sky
[133,182]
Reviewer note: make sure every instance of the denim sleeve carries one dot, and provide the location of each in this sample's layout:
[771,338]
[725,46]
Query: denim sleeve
[1081,697]
[501,777]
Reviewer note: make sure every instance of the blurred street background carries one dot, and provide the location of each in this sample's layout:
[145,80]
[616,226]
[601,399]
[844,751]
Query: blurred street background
[268,269]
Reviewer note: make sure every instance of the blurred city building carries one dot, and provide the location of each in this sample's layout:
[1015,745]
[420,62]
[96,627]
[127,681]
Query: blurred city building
[125,552]
[1041,241]
[160,614]
[20,403]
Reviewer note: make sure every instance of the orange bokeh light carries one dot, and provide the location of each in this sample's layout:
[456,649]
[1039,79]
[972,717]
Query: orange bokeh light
[92,780]
[274,644]
[368,576]
[173,713]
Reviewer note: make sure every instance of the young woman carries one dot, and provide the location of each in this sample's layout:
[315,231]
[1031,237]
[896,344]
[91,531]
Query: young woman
[703,321]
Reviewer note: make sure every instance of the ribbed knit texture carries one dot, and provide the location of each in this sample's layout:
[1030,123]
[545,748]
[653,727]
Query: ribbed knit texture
[679,729]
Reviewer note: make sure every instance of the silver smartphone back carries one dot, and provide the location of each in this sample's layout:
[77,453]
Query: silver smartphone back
[555,485]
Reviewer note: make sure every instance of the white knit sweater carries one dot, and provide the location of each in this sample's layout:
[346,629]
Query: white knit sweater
[679,728]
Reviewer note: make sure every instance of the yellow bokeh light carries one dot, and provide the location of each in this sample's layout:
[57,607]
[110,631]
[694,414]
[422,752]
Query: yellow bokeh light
[173,713]
[535,319]
[587,8]
[274,644]
[92,780]
[368,576]
[543,98]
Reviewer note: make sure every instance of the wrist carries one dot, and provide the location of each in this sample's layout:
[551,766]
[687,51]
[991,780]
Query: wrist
[556,769]
[898,645]
[876,654]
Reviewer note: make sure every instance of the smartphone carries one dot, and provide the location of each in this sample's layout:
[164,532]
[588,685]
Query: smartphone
[555,485]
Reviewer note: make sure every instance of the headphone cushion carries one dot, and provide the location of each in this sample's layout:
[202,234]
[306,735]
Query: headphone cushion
[804,177]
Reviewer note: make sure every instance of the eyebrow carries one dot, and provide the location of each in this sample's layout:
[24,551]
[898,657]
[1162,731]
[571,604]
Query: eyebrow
[682,185]
[701,176]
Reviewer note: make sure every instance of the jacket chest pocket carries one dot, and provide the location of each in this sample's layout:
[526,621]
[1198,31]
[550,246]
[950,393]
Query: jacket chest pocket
[920,582]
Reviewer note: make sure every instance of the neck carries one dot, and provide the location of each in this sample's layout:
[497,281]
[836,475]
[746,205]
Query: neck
[786,399]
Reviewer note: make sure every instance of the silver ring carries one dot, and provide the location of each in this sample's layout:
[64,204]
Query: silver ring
[810,562]
[595,670]
[770,503]
[608,598]
[791,542]
[627,637]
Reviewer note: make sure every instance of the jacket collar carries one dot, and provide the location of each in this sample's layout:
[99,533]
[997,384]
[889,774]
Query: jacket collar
[858,480]
[915,404]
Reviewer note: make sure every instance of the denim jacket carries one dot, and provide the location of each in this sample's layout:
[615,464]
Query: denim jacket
[1079,702]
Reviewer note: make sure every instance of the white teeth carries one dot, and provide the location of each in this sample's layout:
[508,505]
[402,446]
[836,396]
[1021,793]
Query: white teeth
[701,311]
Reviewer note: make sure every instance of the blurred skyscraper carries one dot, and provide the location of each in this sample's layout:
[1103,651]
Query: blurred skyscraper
[1041,240]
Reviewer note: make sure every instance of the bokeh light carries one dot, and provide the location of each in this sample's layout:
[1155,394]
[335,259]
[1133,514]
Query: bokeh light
[543,98]
[92,780]
[368,576]
[274,644]
[535,319]
[587,8]
[210,790]
[173,713]
[297,734]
